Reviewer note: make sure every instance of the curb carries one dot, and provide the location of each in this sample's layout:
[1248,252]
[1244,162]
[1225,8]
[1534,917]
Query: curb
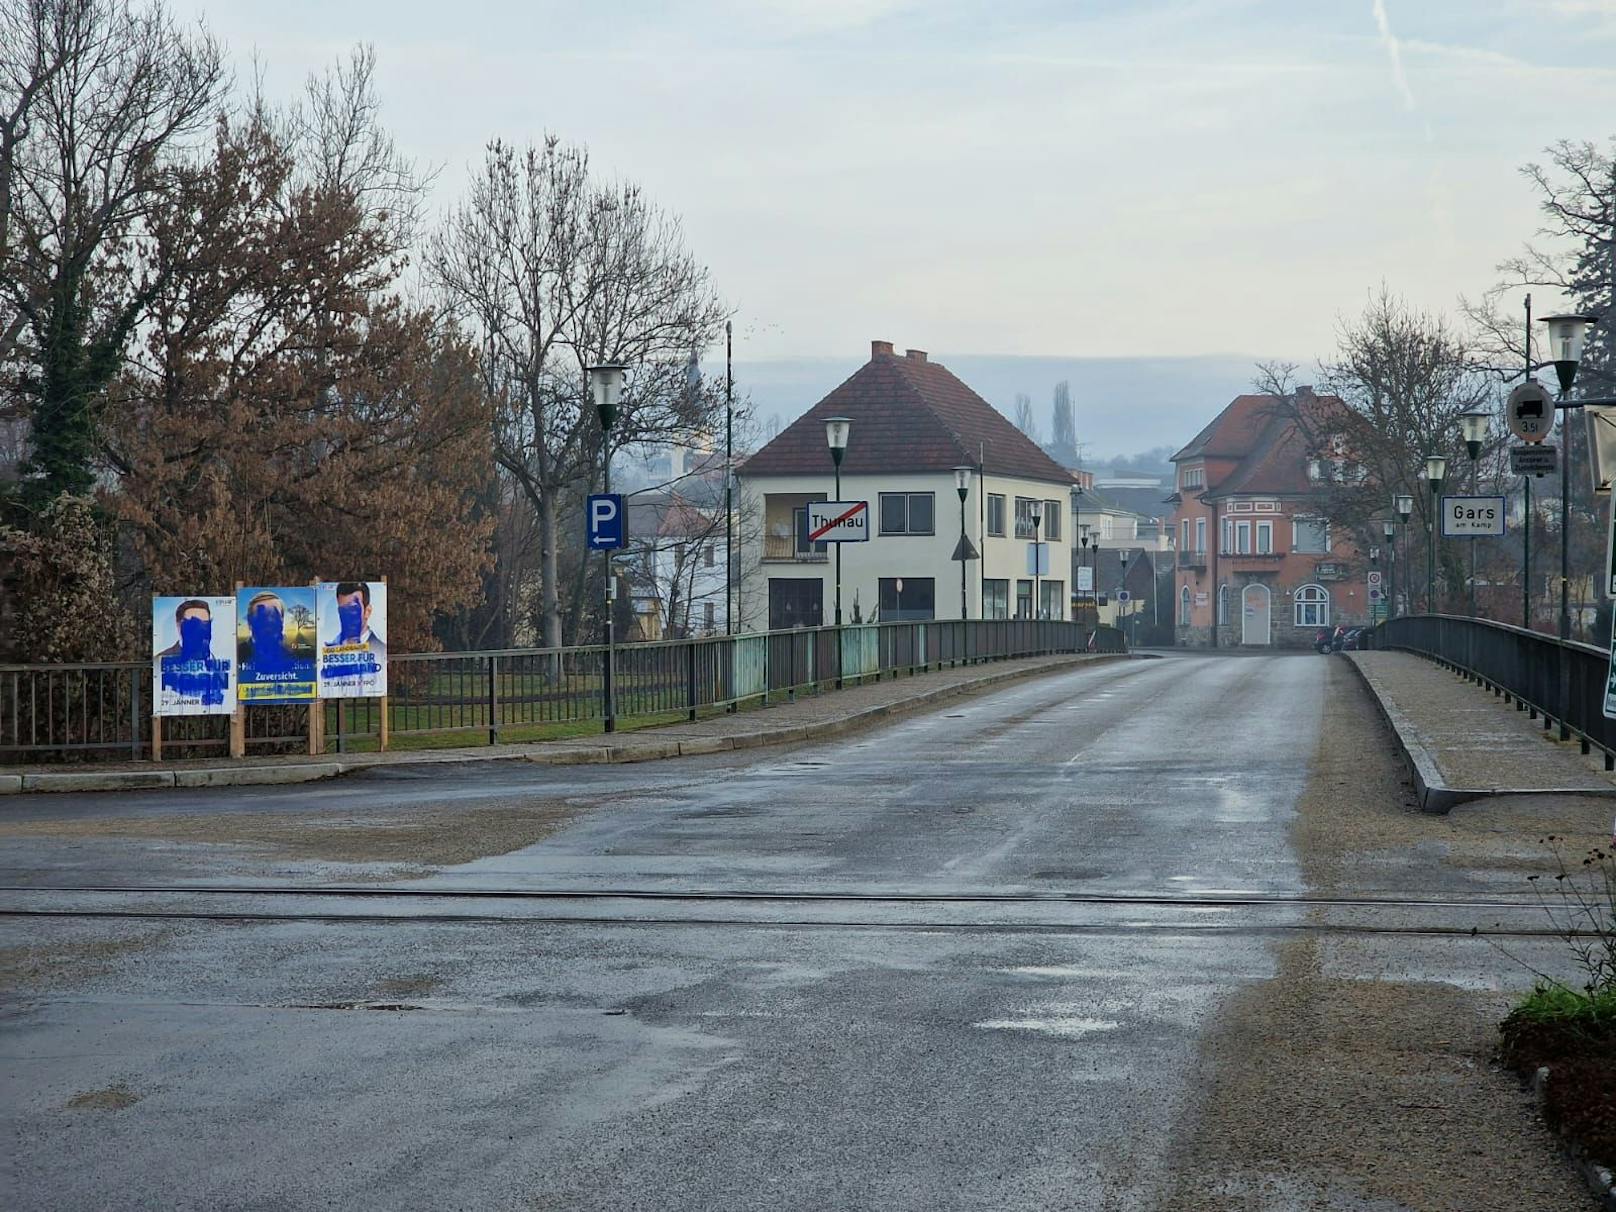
[573,755]
[1434,794]
[1599,1178]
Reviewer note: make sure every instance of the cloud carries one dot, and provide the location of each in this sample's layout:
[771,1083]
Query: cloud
[1393,52]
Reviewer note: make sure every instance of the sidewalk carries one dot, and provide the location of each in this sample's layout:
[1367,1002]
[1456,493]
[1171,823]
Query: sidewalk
[1463,743]
[809,718]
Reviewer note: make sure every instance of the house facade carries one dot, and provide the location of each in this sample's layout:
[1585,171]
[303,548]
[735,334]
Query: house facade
[913,423]
[1258,563]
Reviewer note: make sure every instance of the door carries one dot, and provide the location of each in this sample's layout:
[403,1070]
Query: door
[796,602]
[1254,615]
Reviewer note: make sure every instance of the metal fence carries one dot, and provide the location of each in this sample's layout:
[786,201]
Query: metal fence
[1561,682]
[57,712]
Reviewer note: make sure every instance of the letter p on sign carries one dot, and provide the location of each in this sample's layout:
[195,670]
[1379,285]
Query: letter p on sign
[603,521]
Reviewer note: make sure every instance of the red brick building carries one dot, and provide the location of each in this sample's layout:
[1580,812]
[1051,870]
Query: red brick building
[1258,565]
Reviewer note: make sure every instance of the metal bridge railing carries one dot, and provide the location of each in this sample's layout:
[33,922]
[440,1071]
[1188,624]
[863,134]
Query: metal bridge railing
[103,710]
[1561,681]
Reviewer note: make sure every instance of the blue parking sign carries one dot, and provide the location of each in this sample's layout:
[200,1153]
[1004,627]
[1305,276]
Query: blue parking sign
[603,521]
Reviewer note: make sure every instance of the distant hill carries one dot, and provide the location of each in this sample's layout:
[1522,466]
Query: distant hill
[1120,405]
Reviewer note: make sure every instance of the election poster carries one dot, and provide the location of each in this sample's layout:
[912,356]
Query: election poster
[353,639]
[276,640]
[193,656]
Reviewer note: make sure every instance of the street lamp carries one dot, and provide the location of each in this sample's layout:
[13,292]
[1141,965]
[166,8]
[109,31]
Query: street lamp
[1436,469]
[1122,558]
[1403,503]
[1083,560]
[1474,425]
[1037,514]
[1389,530]
[836,429]
[606,386]
[1566,336]
[962,485]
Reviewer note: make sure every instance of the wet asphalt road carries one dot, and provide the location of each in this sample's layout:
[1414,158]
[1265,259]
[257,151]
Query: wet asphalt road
[668,1054]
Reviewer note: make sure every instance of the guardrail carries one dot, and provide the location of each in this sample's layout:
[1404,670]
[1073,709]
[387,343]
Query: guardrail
[54,712]
[1561,681]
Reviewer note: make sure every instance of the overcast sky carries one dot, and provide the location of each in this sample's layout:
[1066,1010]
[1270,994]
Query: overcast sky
[1079,179]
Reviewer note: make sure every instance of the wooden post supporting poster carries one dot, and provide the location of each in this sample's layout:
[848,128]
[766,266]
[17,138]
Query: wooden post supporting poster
[156,737]
[316,707]
[384,729]
[238,717]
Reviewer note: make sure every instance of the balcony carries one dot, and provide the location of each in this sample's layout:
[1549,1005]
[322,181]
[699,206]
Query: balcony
[782,549]
[1192,559]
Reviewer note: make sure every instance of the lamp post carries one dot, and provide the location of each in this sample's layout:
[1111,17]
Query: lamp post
[962,485]
[1037,514]
[606,385]
[1122,558]
[1404,504]
[1436,470]
[1083,562]
[1566,336]
[1389,532]
[836,429]
[1474,424]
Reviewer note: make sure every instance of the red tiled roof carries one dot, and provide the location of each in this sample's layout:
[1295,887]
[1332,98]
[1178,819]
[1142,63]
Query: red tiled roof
[1269,444]
[909,415]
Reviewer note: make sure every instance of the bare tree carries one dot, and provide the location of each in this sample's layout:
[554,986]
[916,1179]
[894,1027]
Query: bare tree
[1575,257]
[1063,431]
[553,272]
[98,100]
[1403,378]
[1025,420]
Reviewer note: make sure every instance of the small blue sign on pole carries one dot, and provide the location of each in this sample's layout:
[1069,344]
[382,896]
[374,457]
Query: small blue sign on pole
[603,521]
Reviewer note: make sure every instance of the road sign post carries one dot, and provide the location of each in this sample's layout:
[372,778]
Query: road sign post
[603,520]
[1530,412]
[838,521]
[1472,517]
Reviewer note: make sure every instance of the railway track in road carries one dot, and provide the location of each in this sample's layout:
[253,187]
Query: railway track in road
[1063,911]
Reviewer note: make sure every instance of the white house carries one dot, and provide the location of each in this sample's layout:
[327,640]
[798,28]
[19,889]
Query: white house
[912,425]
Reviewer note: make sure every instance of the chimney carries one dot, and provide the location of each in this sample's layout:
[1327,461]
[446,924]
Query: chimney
[877,348]
[1304,391]
[916,355]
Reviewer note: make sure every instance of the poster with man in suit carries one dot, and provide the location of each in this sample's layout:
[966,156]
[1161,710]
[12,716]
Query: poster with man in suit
[353,645]
[193,656]
[276,638]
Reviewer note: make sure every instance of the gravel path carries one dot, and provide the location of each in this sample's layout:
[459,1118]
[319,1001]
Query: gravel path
[1337,1085]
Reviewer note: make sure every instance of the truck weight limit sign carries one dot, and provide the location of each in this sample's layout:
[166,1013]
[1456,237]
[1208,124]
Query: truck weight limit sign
[1530,412]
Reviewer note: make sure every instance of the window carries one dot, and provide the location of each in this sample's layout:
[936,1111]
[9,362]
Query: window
[1242,538]
[906,513]
[996,513]
[1193,477]
[1023,599]
[1265,538]
[708,614]
[799,519]
[1052,603]
[1223,604]
[1184,541]
[707,556]
[1310,536]
[996,595]
[1184,606]
[1052,517]
[907,598]
[1200,534]
[1024,517]
[1312,606]
[1228,534]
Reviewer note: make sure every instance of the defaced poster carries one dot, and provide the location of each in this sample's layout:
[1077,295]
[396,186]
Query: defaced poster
[276,637]
[353,639]
[193,656]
